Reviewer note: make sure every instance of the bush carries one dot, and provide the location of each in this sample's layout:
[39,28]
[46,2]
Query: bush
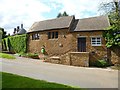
[16,43]
[101,63]
[4,48]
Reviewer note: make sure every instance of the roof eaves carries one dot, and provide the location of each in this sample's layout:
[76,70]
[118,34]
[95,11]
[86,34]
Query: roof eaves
[47,30]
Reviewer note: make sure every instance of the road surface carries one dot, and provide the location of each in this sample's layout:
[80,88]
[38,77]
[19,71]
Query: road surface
[70,75]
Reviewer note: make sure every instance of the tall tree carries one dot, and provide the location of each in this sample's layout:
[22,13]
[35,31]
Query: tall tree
[61,15]
[112,35]
[65,14]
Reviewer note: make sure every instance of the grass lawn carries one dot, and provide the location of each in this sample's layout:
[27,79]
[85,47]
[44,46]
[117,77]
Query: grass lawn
[7,56]
[15,81]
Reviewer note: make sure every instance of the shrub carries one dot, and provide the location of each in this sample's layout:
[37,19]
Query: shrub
[29,55]
[101,63]
[16,43]
[4,45]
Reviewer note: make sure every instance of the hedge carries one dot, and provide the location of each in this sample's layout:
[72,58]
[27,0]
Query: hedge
[17,43]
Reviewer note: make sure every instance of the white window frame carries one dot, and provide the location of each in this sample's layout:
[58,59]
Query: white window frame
[96,42]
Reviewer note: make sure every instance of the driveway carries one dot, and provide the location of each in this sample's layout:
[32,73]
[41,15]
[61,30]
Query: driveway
[70,75]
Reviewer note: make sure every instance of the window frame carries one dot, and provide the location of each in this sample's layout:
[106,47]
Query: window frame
[35,36]
[53,35]
[97,41]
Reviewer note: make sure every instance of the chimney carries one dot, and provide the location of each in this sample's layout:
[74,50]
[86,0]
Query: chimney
[22,26]
[18,27]
[14,31]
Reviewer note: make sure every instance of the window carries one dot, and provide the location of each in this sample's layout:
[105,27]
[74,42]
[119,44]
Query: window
[35,36]
[56,34]
[49,35]
[96,41]
[52,35]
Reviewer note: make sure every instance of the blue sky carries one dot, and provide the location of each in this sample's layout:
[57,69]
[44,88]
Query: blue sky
[15,12]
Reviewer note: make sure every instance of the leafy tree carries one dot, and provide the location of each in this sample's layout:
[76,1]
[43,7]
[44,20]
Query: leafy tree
[112,35]
[65,14]
[3,33]
[61,15]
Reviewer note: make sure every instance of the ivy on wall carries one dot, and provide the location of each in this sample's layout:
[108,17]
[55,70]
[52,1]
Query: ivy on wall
[16,43]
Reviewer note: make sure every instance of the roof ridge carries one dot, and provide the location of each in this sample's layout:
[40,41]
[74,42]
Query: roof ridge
[55,18]
[93,17]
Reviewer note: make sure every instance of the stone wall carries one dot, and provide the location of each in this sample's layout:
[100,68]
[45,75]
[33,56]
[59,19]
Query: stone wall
[96,52]
[65,59]
[79,59]
[68,43]
[114,55]
[52,46]
[71,58]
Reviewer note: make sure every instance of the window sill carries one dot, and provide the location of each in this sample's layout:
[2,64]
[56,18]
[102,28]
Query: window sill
[35,40]
[53,39]
[96,45]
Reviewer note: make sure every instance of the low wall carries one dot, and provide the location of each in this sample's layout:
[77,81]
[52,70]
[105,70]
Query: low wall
[72,58]
[65,59]
[79,59]
[115,55]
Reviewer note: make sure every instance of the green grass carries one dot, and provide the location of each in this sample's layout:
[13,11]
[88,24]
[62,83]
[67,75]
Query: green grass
[7,56]
[28,55]
[16,81]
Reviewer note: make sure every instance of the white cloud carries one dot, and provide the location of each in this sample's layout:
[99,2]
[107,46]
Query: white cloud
[77,7]
[15,12]
[80,8]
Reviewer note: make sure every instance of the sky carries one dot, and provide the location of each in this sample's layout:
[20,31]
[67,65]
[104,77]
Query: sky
[15,12]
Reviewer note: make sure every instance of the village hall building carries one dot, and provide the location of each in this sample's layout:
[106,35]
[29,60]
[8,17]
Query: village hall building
[70,41]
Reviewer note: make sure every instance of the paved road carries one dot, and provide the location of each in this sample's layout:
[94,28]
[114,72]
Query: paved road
[69,75]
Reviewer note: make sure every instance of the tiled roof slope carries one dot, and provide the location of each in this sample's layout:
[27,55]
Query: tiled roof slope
[93,23]
[58,23]
[86,24]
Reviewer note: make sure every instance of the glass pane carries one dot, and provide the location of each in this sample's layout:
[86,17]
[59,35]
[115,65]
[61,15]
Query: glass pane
[93,39]
[49,35]
[56,34]
[53,35]
[98,38]
[38,35]
[98,41]
[93,43]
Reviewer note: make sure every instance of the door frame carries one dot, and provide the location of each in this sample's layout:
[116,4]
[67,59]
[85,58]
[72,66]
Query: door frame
[79,43]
